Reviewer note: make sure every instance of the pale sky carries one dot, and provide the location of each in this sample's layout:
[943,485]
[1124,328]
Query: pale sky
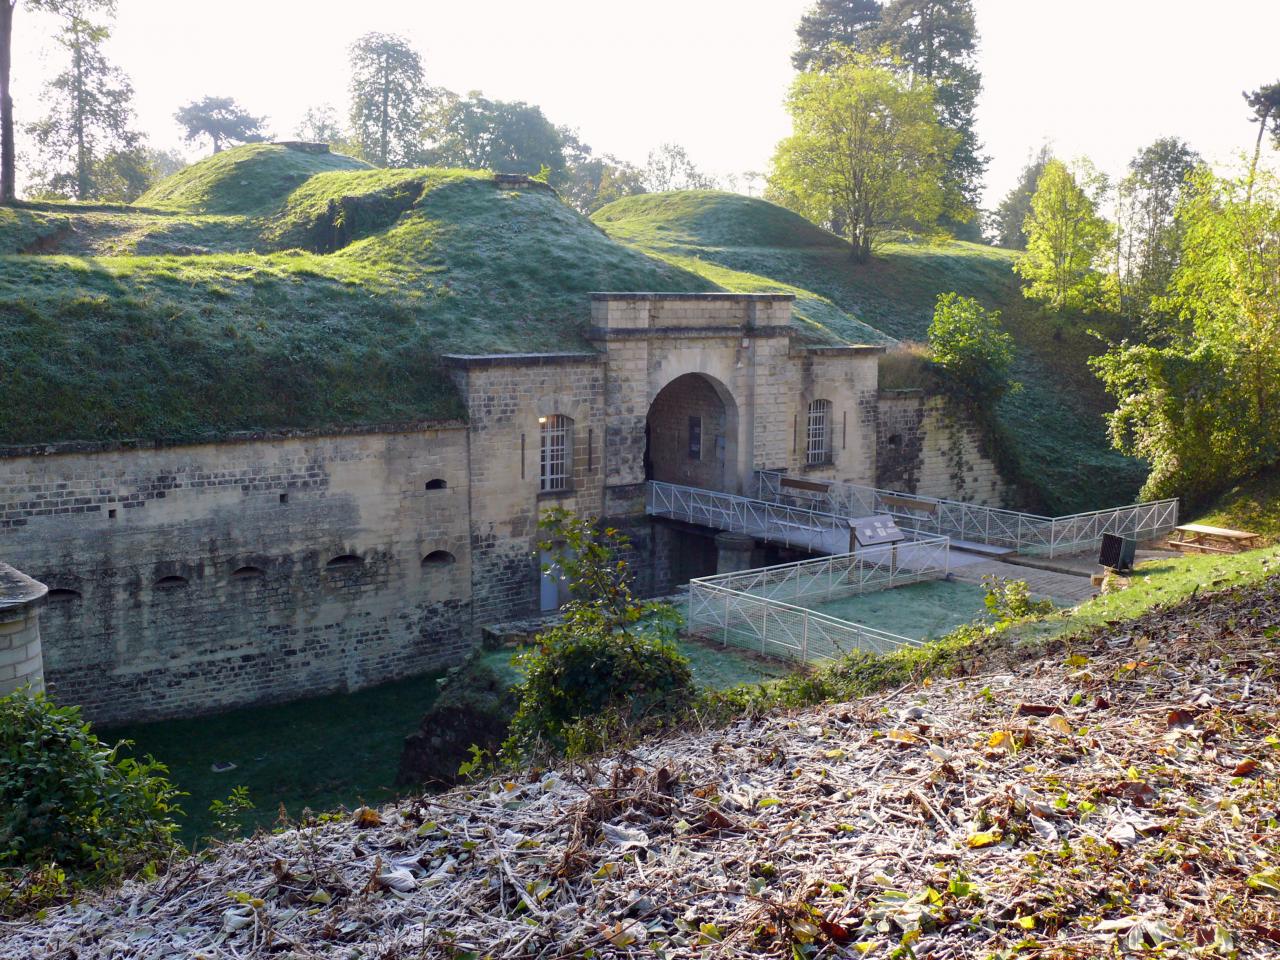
[1096,77]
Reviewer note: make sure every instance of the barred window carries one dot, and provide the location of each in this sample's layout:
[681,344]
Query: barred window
[818,447]
[557,444]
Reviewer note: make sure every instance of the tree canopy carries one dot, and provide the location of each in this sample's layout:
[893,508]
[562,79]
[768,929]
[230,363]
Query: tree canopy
[220,119]
[388,93]
[867,152]
[1067,240]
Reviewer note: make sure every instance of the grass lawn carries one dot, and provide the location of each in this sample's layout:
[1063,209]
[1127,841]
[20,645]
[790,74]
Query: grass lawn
[321,753]
[921,611]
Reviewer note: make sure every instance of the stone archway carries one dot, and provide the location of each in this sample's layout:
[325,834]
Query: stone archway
[691,434]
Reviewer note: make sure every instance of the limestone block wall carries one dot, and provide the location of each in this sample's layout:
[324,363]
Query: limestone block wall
[506,395]
[192,579]
[847,378]
[926,445]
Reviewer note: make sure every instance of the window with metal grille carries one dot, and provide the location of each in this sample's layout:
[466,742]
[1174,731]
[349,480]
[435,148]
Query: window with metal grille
[554,462]
[818,447]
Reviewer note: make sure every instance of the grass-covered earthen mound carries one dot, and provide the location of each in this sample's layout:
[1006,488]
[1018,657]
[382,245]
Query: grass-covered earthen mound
[1116,795]
[267,288]
[1054,426]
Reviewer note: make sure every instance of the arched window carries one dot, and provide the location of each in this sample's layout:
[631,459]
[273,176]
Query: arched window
[344,560]
[246,573]
[818,442]
[438,558]
[171,582]
[62,595]
[437,484]
[555,462]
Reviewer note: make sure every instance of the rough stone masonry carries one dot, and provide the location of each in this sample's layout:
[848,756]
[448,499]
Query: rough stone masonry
[190,579]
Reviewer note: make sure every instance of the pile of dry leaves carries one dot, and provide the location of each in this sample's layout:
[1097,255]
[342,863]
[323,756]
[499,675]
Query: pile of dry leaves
[1116,797]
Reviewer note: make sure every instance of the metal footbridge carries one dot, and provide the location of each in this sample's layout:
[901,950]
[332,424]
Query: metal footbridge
[798,527]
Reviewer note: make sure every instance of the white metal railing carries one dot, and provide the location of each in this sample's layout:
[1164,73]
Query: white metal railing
[824,579]
[795,526]
[750,608]
[781,630]
[1024,532]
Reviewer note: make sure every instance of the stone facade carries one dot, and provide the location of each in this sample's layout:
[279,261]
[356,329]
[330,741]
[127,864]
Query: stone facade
[926,446]
[192,579]
[21,659]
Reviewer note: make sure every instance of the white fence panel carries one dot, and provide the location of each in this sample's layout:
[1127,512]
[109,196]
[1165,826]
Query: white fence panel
[1024,532]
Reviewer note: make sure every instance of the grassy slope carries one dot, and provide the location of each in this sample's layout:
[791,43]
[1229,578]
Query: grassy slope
[207,307]
[746,244]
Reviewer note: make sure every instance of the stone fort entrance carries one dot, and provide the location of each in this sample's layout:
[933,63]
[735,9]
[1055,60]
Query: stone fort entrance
[691,434]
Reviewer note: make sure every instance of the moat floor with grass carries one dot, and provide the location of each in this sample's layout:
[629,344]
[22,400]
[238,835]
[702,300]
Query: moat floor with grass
[334,751]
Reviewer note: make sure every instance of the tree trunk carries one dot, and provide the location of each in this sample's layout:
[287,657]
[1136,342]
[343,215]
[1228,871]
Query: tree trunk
[78,110]
[8,180]
[386,94]
[1257,152]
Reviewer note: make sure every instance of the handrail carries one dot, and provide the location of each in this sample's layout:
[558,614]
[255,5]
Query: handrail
[993,525]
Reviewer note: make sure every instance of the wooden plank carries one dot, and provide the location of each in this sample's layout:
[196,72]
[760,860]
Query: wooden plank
[1199,547]
[910,503]
[1223,532]
[813,486]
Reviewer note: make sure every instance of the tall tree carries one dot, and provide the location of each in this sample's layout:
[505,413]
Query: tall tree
[830,28]
[670,167]
[8,150]
[1066,240]
[484,134]
[1201,409]
[387,97]
[1009,221]
[220,119]
[88,103]
[938,41]
[866,154]
[1265,104]
[1148,229]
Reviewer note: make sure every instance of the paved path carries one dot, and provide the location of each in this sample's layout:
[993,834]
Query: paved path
[1062,588]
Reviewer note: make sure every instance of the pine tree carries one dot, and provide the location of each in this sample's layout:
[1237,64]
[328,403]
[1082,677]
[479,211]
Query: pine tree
[387,95]
[89,104]
[830,27]
[937,40]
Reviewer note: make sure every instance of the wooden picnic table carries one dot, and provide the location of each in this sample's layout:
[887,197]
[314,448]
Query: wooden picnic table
[1198,537]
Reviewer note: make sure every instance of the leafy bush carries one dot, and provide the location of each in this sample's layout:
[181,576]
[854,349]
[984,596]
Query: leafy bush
[1010,600]
[71,810]
[612,661]
[970,346]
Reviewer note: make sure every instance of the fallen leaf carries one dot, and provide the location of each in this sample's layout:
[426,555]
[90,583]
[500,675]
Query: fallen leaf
[367,817]
[1037,709]
[985,838]
[1245,767]
[902,736]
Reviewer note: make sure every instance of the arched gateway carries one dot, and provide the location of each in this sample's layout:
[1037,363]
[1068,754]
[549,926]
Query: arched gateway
[691,434]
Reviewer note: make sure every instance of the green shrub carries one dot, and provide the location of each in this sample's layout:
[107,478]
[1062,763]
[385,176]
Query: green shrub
[970,346]
[611,664]
[71,810]
[1009,601]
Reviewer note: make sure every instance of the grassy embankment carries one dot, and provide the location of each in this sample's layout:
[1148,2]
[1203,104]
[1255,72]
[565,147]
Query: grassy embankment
[1054,423]
[267,289]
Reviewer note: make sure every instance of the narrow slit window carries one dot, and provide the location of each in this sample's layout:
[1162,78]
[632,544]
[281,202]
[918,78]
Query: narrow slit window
[695,438]
[818,445]
[553,462]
